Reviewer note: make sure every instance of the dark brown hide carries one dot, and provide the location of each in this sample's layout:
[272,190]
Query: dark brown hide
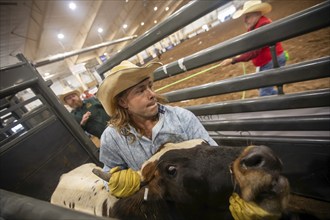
[195,183]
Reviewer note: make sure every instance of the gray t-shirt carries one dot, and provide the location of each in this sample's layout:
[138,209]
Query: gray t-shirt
[175,124]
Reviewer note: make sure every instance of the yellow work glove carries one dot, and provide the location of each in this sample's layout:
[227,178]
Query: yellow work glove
[123,183]
[243,210]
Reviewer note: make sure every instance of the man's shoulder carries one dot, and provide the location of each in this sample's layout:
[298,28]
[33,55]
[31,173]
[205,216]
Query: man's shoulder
[110,130]
[111,135]
[174,109]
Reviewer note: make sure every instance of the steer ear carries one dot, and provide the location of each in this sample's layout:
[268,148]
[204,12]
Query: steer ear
[148,171]
[103,175]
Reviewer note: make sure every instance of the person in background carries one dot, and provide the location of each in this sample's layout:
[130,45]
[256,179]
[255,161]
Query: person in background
[140,123]
[87,95]
[89,113]
[253,16]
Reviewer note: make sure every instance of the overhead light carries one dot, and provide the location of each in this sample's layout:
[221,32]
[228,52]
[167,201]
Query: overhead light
[167,8]
[47,74]
[125,26]
[60,36]
[100,30]
[155,21]
[142,23]
[155,8]
[72,6]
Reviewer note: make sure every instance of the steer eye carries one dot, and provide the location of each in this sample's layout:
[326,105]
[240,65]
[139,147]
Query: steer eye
[171,170]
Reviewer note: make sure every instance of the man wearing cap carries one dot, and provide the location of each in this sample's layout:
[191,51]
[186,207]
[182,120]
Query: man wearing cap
[253,16]
[89,113]
[139,124]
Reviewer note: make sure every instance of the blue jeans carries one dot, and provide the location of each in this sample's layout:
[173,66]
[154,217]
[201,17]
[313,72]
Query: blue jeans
[271,90]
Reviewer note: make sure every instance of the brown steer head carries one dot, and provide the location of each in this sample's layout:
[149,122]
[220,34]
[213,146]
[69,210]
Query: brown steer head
[256,176]
[195,182]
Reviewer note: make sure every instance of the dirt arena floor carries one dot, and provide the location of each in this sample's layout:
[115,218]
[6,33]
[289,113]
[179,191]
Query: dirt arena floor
[306,47]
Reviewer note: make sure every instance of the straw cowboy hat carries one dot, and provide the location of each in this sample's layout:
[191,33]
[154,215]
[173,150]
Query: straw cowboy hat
[253,6]
[120,78]
[65,94]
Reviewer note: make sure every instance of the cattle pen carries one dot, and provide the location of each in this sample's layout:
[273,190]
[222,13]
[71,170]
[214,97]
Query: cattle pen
[296,126]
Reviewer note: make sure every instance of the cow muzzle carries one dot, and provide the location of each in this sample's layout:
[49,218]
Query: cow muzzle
[256,178]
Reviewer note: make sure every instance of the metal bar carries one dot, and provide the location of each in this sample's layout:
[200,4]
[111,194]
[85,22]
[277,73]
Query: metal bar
[309,20]
[19,105]
[276,65]
[12,66]
[26,117]
[318,98]
[297,123]
[245,140]
[16,206]
[10,142]
[15,78]
[16,88]
[184,16]
[62,56]
[274,56]
[314,69]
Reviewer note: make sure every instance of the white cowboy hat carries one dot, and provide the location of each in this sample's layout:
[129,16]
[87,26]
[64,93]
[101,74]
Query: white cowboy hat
[65,94]
[253,6]
[120,78]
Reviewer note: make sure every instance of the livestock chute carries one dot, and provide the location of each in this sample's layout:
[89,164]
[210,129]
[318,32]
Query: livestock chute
[47,142]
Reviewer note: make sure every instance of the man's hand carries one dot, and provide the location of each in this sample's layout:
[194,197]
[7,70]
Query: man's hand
[85,118]
[226,62]
[123,183]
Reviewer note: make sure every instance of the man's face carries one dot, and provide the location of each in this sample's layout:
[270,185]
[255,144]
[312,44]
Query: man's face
[73,100]
[250,19]
[140,100]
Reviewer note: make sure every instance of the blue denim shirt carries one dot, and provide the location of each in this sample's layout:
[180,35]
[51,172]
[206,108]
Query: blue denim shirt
[175,124]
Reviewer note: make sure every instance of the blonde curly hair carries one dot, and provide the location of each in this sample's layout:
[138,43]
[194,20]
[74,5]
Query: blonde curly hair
[122,121]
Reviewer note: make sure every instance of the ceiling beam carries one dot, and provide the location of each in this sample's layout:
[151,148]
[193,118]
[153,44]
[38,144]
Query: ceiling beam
[86,28]
[35,27]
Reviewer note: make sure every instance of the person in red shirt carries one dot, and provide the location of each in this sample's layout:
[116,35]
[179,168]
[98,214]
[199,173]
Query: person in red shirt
[253,17]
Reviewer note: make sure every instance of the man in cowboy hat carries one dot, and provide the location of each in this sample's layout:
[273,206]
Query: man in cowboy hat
[89,113]
[253,16]
[139,124]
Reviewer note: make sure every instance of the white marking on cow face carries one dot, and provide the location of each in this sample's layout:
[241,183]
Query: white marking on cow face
[172,146]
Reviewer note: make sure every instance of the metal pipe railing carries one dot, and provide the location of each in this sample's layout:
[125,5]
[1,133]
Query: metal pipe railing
[292,123]
[184,16]
[308,70]
[310,99]
[62,56]
[306,21]
[16,206]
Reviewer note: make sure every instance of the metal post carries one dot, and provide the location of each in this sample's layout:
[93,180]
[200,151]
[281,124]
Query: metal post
[276,65]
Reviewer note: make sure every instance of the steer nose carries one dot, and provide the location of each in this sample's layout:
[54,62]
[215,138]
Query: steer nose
[261,157]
